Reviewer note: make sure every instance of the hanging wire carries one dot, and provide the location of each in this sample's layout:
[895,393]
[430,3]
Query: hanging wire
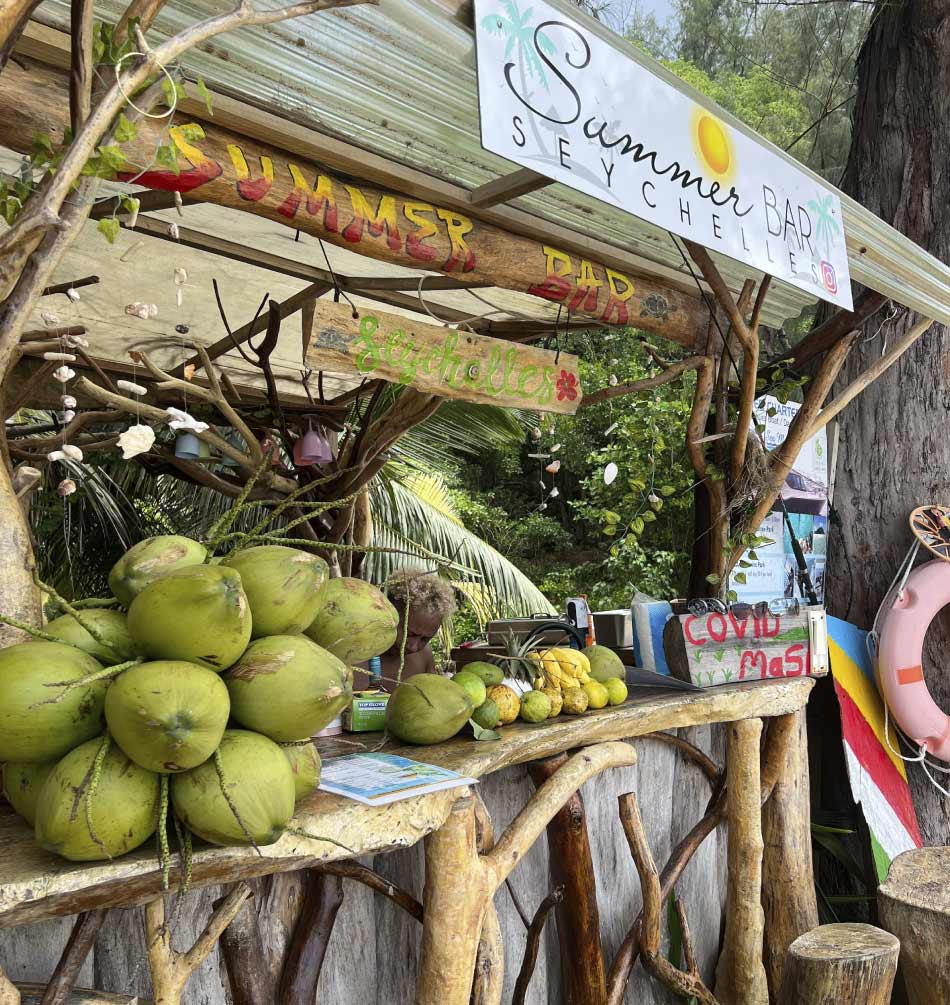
[338,290]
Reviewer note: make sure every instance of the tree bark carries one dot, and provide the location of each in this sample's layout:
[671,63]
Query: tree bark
[892,454]
[19,595]
[572,869]
[840,963]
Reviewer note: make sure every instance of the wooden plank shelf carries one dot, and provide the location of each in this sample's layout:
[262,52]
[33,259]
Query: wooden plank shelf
[35,885]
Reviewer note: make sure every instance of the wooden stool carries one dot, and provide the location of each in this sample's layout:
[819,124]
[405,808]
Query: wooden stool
[840,965]
[914,904]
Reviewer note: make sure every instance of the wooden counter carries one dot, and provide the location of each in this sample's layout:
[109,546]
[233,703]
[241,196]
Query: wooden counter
[35,885]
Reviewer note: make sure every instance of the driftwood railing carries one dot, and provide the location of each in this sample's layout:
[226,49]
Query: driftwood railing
[462,954]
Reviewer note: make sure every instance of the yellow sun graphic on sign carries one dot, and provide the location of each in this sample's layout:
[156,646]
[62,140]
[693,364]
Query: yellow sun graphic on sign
[713,146]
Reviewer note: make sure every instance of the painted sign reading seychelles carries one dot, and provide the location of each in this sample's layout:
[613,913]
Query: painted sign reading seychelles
[558,99]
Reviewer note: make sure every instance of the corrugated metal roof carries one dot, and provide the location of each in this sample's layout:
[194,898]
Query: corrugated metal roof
[399,79]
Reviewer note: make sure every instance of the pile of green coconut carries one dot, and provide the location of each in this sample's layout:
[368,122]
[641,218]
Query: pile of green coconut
[188,701]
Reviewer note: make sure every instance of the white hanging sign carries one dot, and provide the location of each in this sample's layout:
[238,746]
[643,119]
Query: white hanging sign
[557,99]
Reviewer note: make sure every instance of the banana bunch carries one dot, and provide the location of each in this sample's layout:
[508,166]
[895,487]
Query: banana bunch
[559,668]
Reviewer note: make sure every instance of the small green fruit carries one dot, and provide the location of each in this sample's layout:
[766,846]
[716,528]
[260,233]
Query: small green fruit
[616,690]
[597,694]
[535,706]
[487,715]
[489,673]
[151,559]
[474,685]
[427,708]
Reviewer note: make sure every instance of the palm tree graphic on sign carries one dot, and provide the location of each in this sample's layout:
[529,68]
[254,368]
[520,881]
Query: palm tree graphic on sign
[826,226]
[516,26]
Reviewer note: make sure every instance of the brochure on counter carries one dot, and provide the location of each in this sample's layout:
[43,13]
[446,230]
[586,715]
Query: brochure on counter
[378,779]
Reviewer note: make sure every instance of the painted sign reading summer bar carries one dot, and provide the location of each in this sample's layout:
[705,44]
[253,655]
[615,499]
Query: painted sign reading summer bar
[559,100]
[442,361]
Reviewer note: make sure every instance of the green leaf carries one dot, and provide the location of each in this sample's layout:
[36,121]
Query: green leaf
[167,156]
[732,596]
[205,94]
[173,92]
[111,161]
[771,411]
[43,142]
[125,131]
[109,227]
[667,490]
[713,579]
[481,733]
[739,578]
[192,132]
[753,556]
[638,525]
[648,516]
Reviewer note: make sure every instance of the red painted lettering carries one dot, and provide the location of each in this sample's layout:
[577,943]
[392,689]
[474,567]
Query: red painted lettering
[319,199]
[767,632]
[203,169]
[460,253]
[383,218]
[793,657]
[752,659]
[251,189]
[739,627]
[426,228]
[688,631]
[559,273]
[716,626]
[621,290]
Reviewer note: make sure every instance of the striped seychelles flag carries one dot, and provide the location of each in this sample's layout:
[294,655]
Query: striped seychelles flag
[878,777]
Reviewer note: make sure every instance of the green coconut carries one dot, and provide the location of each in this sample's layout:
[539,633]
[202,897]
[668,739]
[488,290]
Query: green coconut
[123,808]
[604,663]
[151,559]
[355,622]
[260,788]
[198,614]
[287,687]
[305,764]
[283,587]
[428,708]
[168,716]
[22,784]
[111,625]
[31,729]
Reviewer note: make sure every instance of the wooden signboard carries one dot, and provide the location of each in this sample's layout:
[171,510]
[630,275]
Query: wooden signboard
[444,361]
[728,648]
[220,167]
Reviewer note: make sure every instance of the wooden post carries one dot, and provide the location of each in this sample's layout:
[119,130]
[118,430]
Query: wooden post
[841,964]
[914,904]
[583,975]
[460,883]
[740,975]
[249,976]
[81,940]
[456,895]
[788,886]
[308,946]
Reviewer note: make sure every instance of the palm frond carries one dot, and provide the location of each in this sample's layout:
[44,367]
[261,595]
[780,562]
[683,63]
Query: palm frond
[400,517]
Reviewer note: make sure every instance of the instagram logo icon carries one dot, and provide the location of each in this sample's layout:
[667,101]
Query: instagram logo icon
[828,277]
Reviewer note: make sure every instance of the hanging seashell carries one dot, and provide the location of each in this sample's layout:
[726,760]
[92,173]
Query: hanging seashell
[74,341]
[610,473]
[189,371]
[181,276]
[173,231]
[132,388]
[71,452]
[73,295]
[179,298]
[63,373]
[543,506]
[50,319]
[66,487]
[555,448]
[69,415]
[535,433]
[59,357]
[553,467]
[611,429]
[136,440]
[68,401]
[56,455]
[133,220]
[555,492]
[137,311]
[612,380]
[182,420]
[653,498]
[178,203]
[541,483]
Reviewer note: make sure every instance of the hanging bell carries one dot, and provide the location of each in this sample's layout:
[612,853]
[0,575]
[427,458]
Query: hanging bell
[312,448]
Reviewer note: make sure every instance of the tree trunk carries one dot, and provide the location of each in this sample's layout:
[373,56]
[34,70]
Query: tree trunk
[893,453]
[19,596]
